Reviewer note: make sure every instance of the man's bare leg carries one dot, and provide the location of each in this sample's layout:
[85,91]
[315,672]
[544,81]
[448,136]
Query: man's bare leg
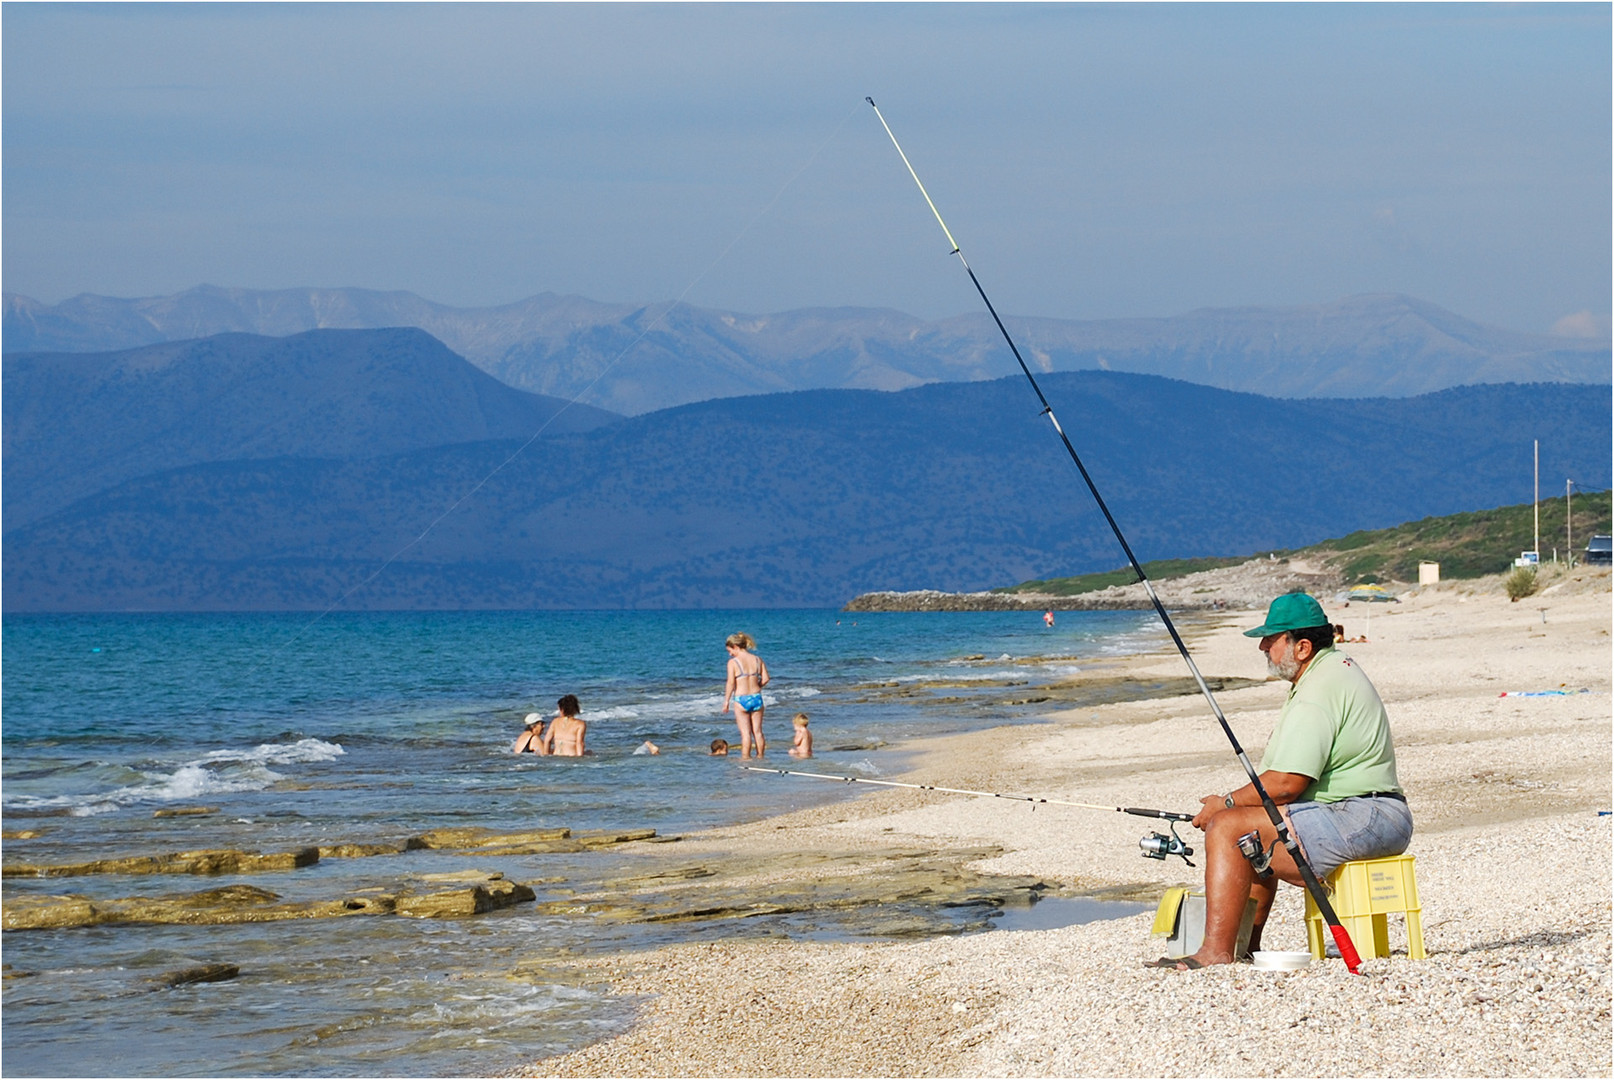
[1230,880]
[1262,892]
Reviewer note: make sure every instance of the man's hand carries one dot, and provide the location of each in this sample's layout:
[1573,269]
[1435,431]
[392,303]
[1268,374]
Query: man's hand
[1209,807]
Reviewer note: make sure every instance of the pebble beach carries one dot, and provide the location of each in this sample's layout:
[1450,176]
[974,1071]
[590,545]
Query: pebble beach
[1501,714]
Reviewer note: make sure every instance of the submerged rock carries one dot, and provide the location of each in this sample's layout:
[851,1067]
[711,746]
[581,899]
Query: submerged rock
[359,851]
[464,875]
[185,811]
[229,905]
[200,974]
[21,834]
[536,842]
[225,861]
[453,903]
[46,912]
[457,839]
[890,893]
[235,904]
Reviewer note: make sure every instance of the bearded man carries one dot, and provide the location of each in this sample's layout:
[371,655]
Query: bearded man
[1329,766]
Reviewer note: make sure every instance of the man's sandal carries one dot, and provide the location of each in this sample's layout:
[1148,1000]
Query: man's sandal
[1175,963]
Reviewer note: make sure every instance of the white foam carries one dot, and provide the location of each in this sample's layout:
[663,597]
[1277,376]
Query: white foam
[275,753]
[866,767]
[214,773]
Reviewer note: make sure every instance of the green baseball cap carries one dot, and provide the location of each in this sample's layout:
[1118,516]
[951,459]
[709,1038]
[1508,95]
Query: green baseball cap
[1291,611]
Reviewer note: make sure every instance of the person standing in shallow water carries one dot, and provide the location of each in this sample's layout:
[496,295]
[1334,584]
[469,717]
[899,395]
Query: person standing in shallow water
[747,675]
[568,731]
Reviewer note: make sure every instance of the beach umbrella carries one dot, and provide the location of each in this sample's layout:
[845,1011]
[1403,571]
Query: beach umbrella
[1376,594]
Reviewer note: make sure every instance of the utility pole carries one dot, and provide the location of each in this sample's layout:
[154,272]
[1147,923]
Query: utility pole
[1536,504]
[1569,522]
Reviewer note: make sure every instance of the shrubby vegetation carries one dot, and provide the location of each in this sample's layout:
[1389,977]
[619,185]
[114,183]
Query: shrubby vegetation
[1467,545]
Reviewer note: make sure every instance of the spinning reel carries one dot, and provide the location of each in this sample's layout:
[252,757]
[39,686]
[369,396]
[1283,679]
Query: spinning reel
[1159,845]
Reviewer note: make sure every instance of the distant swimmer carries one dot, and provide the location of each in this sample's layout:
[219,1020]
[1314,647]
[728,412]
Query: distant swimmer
[1048,617]
[720,748]
[566,731]
[747,675]
[531,739]
[647,747]
[802,745]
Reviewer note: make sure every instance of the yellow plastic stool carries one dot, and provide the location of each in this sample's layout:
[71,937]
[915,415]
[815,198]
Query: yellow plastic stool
[1364,892]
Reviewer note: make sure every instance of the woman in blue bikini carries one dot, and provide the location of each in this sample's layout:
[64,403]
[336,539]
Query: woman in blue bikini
[747,676]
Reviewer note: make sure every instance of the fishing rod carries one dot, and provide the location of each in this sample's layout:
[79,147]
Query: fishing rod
[1155,845]
[1347,950]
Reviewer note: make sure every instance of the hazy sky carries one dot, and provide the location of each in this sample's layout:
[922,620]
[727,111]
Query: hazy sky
[1093,161]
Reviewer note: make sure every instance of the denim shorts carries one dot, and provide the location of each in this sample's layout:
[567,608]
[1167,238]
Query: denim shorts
[1339,832]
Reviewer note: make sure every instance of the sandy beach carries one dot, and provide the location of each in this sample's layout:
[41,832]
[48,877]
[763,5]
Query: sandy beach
[1513,864]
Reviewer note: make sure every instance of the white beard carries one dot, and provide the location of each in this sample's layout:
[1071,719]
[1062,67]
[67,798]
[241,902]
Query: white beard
[1286,670]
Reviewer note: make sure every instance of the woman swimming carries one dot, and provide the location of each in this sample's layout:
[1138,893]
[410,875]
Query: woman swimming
[747,675]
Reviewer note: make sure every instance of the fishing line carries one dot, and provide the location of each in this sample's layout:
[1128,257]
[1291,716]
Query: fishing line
[1167,815]
[1346,949]
[1155,846]
[606,370]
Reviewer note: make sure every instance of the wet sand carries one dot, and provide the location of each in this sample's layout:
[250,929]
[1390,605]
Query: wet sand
[1513,867]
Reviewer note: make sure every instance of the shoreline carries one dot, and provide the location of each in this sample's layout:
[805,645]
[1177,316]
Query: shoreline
[1513,868]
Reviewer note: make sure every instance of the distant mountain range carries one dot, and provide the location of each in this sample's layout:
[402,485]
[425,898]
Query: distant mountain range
[240,473]
[75,424]
[638,358]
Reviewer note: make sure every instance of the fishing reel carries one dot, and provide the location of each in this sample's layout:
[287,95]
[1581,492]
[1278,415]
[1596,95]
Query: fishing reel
[1159,845]
[1260,859]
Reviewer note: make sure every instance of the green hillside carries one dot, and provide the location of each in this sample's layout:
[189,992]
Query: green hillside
[1159,570]
[1466,545]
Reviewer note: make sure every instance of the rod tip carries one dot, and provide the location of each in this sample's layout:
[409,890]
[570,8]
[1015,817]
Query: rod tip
[871,102]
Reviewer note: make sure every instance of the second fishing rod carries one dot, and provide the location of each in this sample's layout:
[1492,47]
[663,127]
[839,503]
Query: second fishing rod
[1155,845]
[1347,949]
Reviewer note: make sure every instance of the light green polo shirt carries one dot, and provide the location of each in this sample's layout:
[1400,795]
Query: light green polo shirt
[1334,729]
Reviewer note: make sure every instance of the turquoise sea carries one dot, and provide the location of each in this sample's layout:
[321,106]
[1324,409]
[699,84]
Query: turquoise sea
[371,728]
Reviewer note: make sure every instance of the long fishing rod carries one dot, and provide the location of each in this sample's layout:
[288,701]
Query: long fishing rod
[1155,846]
[1347,950]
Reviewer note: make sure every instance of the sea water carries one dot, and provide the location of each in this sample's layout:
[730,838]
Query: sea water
[370,728]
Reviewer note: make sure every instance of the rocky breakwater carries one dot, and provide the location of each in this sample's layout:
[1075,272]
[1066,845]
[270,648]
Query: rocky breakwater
[421,895]
[222,861]
[1230,588]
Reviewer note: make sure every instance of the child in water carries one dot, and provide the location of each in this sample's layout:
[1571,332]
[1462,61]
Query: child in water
[747,675]
[720,748]
[802,746]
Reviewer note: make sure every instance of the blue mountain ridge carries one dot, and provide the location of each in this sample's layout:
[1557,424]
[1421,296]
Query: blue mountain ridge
[637,358]
[76,423]
[801,499]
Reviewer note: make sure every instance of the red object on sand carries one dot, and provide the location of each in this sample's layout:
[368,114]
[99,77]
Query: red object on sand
[1347,949]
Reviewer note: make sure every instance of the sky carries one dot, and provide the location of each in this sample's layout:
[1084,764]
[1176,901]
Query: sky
[1093,161]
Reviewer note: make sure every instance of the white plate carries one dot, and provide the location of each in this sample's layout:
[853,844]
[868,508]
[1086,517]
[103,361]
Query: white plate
[1280,961]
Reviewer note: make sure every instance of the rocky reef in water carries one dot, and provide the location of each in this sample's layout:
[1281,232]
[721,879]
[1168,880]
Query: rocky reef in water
[473,892]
